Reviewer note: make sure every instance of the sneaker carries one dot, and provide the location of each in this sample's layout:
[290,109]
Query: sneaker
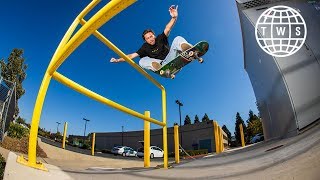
[156,66]
[185,46]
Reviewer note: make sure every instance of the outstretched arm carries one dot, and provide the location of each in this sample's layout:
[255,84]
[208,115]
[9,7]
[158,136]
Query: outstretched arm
[131,56]
[174,15]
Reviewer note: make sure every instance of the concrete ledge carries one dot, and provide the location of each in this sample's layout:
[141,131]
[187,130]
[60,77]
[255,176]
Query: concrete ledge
[16,171]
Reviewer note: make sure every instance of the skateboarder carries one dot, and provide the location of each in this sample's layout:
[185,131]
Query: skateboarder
[156,52]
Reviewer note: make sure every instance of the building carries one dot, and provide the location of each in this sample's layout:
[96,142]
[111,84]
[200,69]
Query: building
[287,89]
[194,137]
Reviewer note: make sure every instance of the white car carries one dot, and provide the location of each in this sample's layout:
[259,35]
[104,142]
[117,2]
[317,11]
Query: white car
[117,150]
[154,152]
[128,151]
[124,151]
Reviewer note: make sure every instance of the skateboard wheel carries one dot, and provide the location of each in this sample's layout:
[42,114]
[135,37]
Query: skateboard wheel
[191,53]
[200,60]
[161,72]
[172,76]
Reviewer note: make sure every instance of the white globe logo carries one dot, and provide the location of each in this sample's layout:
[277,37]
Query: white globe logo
[281,31]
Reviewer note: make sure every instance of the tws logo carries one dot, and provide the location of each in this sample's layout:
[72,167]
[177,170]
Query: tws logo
[282,31]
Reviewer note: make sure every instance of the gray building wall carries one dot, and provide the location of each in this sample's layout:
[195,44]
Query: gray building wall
[194,136]
[287,89]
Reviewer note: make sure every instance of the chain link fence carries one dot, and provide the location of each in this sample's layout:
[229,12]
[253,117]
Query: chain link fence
[7,105]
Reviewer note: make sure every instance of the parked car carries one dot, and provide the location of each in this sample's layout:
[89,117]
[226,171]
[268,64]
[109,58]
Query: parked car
[128,151]
[257,138]
[124,151]
[154,152]
[233,142]
[117,150]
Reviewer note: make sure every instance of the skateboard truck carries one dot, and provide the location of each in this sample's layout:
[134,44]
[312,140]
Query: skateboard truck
[167,73]
[195,55]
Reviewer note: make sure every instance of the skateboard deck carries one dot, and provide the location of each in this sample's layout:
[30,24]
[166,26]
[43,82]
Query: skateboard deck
[173,67]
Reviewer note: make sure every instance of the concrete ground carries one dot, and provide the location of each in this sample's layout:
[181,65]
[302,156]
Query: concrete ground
[292,158]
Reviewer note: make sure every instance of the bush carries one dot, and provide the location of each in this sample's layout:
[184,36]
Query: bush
[20,145]
[195,152]
[2,166]
[190,152]
[17,131]
[85,146]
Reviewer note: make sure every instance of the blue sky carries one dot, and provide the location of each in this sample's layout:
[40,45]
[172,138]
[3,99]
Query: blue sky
[219,87]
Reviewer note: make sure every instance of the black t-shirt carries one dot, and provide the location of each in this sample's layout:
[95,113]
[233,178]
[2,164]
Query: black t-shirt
[158,51]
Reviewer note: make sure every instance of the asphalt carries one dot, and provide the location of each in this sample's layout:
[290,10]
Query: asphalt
[297,157]
[88,152]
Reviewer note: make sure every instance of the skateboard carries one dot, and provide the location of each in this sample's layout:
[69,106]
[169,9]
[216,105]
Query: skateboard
[173,67]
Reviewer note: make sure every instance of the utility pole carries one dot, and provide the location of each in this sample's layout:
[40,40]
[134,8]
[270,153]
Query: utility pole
[180,104]
[58,126]
[85,126]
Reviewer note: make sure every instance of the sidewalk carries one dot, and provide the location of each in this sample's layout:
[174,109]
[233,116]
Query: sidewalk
[293,158]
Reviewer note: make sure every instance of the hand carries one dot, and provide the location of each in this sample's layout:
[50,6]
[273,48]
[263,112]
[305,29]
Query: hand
[113,60]
[173,11]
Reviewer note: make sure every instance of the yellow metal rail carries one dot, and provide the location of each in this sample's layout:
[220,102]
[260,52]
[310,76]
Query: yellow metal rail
[64,135]
[146,141]
[95,22]
[176,144]
[242,135]
[77,87]
[67,45]
[93,143]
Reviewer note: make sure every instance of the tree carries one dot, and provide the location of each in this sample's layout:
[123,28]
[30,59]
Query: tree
[20,120]
[14,70]
[259,109]
[196,119]
[226,130]
[239,121]
[187,120]
[254,125]
[205,118]
[252,116]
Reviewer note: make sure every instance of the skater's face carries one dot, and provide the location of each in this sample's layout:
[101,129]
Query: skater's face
[150,38]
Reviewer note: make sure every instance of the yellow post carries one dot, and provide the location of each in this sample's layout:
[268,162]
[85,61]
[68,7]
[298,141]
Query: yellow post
[164,128]
[64,135]
[146,140]
[221,140]
[34,127]
[215,135]
[93,143]
[176,144]
[242,135]
[63,51]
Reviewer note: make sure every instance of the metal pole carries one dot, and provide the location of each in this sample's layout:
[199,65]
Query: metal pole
[85,127]
[180,104]
[180,125]
[58,126]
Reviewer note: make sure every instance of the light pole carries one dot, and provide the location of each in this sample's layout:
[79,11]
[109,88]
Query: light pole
[85,126]
[180,104]
[58,126]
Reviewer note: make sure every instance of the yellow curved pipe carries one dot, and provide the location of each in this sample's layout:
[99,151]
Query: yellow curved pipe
[65,48]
